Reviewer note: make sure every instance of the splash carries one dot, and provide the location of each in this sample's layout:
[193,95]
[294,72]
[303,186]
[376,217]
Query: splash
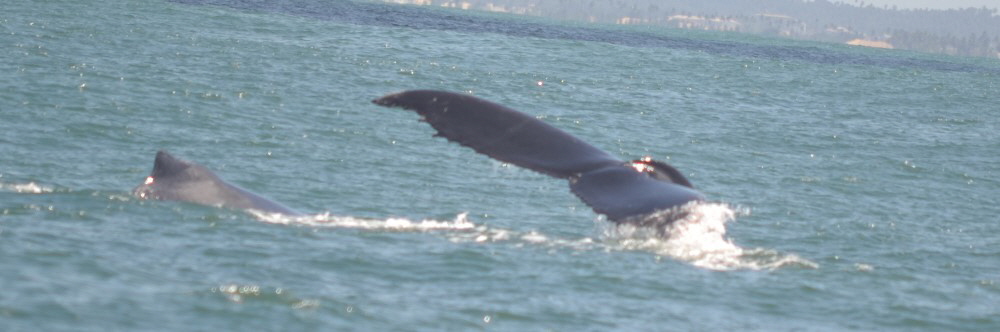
[697,235]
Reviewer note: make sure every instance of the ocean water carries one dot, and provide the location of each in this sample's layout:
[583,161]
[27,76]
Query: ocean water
[850,188]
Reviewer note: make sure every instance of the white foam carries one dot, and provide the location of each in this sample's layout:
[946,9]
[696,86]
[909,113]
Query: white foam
[460,222]
[27,188]
[699,238]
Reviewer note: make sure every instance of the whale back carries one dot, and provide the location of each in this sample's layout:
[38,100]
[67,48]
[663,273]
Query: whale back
[174,179]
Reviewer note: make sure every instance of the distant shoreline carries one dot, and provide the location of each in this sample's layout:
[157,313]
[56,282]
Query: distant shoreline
[922,30]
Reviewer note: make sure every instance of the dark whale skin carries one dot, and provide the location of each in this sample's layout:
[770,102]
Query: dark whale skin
[174,179]
[623,191]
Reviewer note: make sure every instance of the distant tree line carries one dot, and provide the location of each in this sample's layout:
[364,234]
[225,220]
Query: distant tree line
[970,31]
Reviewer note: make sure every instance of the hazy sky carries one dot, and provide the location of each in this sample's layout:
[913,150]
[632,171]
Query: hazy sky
[932,4]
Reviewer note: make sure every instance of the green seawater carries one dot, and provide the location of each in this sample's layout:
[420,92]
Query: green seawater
[852,188]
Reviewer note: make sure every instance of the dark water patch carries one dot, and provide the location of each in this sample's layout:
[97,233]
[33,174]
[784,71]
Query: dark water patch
[418,17]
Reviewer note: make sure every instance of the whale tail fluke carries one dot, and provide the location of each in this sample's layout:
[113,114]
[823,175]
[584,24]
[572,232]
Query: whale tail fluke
[621,190]
[501,133]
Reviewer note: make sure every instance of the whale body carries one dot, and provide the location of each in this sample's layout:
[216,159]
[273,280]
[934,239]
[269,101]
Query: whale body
[175,179]
[623,191]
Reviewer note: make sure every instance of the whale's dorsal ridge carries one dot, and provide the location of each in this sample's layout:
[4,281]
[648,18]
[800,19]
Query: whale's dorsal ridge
[176,179]
[166,164]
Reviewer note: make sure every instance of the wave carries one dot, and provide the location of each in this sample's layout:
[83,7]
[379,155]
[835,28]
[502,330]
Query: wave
[460,223]
[25,188]
[420,18]
[699,238]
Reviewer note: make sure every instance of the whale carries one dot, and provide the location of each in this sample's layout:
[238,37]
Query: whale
[639,191]
[174,179]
